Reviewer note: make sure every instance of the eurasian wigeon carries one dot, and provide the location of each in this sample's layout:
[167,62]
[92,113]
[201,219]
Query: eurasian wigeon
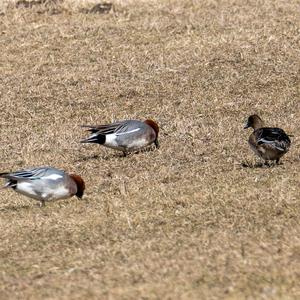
[44,184]
[267,142]
[126,136]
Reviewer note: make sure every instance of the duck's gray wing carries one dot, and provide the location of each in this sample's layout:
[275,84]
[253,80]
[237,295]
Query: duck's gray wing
[30,174]
[118,128]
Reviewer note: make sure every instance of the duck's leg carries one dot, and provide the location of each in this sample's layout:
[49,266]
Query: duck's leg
[277,161]
[42,203]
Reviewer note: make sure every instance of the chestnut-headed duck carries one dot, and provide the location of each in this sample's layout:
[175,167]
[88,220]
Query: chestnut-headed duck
[126,136]
[44,184]
[269,143]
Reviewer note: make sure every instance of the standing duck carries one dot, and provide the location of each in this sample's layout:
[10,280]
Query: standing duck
[126,136]
[269,143]
[44,184]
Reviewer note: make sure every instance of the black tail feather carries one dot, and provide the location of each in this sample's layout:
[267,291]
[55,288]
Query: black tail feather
[90,128]
[97,139]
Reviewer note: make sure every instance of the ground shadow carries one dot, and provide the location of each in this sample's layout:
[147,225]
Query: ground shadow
[258,165]
[86,158]
[113,155]
[15,208]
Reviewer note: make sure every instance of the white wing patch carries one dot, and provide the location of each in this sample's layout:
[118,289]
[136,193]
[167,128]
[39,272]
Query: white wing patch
[127,132]
[53,176]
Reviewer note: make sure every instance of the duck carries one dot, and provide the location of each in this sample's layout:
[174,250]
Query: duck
[44,183]
[269,143]
[126,136]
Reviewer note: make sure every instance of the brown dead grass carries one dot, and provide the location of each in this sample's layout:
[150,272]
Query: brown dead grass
[186,221]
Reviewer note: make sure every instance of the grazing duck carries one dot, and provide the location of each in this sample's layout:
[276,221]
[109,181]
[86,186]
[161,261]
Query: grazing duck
[269,143]
[126,136]
[44,184]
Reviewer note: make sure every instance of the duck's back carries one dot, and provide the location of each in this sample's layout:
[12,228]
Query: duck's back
[273,137]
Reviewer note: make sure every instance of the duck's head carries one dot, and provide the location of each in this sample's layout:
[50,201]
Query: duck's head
[155,127]
[80,185]
[254,121]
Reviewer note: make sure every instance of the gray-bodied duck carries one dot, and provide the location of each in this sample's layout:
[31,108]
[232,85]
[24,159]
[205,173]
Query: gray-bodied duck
[126,136]
[44,183]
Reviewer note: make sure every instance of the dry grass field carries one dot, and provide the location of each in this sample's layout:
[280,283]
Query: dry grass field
[187,221]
